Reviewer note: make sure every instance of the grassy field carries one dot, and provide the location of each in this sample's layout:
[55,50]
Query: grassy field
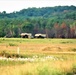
[37,45]
[45,56]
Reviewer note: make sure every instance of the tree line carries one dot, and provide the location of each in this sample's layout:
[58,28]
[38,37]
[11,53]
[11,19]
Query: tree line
[55,22]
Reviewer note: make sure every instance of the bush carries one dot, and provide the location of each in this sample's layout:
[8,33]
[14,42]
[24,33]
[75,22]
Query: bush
[12,44]
[5,54]
[74,49]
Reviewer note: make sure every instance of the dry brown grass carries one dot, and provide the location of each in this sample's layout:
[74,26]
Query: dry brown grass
[39,48]
[62,47]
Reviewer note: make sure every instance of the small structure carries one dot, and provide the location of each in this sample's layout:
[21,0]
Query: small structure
[26,35]
[40,35]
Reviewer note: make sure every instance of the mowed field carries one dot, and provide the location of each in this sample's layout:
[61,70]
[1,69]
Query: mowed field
[44,56]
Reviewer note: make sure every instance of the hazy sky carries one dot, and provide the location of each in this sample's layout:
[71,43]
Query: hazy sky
[16,5]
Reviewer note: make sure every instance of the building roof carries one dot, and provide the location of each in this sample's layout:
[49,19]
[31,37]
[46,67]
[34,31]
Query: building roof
[29,34]
[36,35]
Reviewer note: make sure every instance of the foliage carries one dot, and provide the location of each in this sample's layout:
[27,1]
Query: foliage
[8,55]
[40,20]
[66,11]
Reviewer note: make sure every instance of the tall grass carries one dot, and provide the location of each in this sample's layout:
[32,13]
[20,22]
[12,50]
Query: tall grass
[40,68]
[65,64]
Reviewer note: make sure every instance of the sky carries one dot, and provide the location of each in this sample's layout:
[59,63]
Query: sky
[17,5]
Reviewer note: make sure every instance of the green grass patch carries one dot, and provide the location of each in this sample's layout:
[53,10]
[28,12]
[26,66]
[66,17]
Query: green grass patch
[12,44]
[21,40]
[10,63]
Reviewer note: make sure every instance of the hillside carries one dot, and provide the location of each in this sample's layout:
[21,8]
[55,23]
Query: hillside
[52,21]
[64,12]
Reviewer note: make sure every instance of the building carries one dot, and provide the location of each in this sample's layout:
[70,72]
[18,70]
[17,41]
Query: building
[26,35]
[40,35]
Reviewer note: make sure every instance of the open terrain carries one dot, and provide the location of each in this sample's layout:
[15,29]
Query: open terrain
[37,56]
[38,46]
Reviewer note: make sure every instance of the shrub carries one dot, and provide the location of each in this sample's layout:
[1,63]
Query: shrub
[12,44]
[5,54]
[74,49]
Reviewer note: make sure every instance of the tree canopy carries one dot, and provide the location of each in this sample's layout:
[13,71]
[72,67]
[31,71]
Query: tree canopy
[59,21]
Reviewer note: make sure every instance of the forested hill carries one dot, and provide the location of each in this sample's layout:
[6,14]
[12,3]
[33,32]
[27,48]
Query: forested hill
[68,12]
[58,21]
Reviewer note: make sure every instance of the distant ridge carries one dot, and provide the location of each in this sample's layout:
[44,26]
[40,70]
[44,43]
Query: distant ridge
[46,12]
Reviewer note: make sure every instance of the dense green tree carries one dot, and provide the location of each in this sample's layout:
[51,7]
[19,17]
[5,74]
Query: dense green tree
[59,21]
